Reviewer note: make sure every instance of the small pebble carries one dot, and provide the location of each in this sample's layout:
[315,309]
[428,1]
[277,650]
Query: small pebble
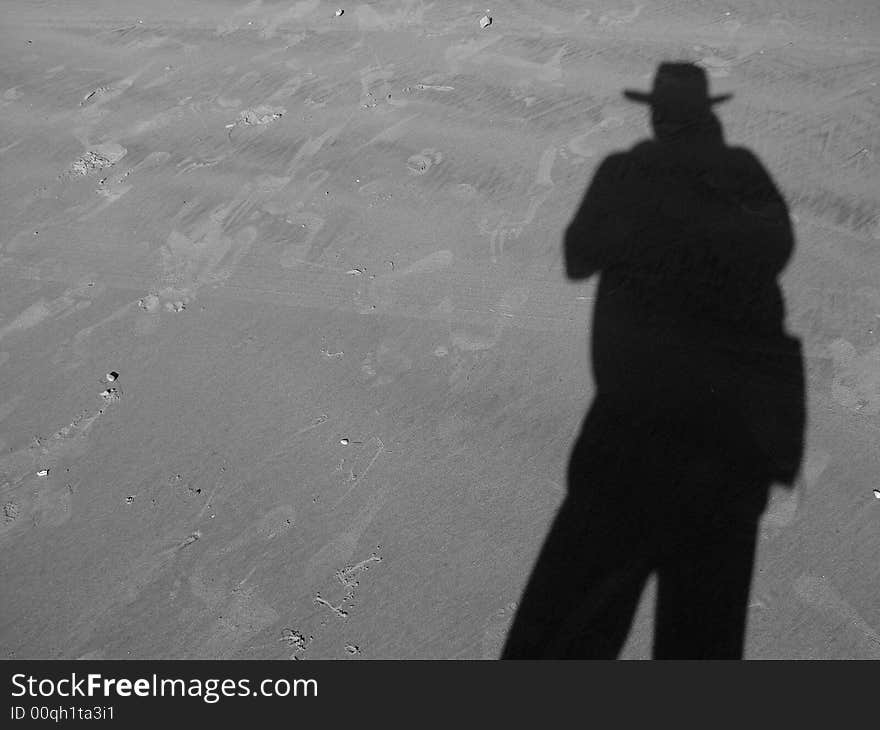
[344,442]
[339,12]
[485,21]
[43,473]
[129,499]
[877,494]
[111,376]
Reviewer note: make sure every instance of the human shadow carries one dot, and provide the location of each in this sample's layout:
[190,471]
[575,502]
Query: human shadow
[699,405]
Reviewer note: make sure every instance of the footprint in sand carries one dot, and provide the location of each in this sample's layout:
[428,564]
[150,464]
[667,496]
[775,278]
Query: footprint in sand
[209,248]
[186,261]
[15,506]
[495,633]
[95,159]
[420,163]
[259,116]
[511,302]
[208,255]
[374,494]
[151,304]
[503,225]
[342,591]
[359,458]
[335,553]
[467,343]
[53,507]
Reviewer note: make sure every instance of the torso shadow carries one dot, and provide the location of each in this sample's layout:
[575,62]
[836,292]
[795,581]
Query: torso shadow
[699,404]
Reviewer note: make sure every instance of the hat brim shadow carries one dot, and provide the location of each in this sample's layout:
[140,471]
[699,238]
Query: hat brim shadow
[643,97]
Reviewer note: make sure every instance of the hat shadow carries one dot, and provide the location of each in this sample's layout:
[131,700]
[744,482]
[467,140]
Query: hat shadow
[678,83]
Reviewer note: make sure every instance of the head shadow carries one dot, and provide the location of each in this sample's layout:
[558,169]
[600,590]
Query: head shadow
[699,403]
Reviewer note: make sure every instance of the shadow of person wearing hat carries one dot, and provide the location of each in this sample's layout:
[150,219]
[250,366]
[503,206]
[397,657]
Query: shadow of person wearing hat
[699,403]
